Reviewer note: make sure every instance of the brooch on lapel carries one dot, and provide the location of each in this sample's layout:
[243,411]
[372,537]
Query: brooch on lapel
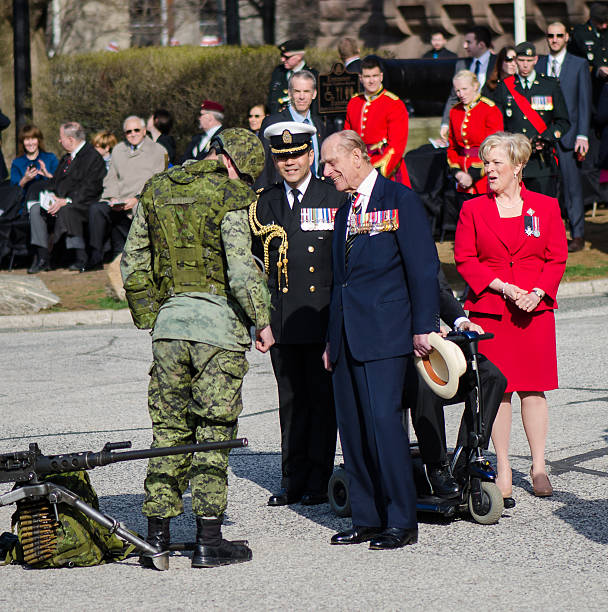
[376,221]
[312,219]
[532,223]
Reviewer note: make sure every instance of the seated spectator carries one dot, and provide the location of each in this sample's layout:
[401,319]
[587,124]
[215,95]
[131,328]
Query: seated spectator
[133,163]
[104,142]
[159,125]
[210,121]
[438,50]
[33,163]
[257,114]
[76,183]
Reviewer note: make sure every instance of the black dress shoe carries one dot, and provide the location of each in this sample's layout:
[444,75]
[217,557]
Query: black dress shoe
[77,266]
[90,267]
[39,265]
[313,499]
[576,245]
[508,502]
[225,553]
[284,498]
[394,537]
[356,535]
[442,481]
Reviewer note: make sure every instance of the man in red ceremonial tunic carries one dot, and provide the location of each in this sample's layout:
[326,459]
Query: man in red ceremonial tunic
[381,119]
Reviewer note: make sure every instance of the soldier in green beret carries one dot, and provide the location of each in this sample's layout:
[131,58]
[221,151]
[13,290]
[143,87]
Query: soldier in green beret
[189,277]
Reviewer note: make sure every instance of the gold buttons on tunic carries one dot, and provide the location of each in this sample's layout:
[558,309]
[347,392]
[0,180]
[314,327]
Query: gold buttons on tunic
[285,290]
[312,289]
[311,249]
[311,269]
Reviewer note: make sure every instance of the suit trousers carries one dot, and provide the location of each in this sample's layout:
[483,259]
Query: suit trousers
[572,188]
[39,228]
[427,410]
[104,223]
[374,442]
[307,417]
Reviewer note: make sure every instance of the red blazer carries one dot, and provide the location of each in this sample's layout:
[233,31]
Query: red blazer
[481,255]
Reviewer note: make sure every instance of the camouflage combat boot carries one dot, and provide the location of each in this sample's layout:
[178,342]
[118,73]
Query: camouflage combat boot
[211,550]
[158,536]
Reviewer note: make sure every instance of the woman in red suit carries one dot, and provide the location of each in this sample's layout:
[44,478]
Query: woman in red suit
[471,121]
[511,250]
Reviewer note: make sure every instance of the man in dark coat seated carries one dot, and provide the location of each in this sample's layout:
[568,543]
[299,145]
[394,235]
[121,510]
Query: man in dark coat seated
[77,182]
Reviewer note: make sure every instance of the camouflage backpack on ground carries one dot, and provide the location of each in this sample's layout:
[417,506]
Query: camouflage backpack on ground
[74,541]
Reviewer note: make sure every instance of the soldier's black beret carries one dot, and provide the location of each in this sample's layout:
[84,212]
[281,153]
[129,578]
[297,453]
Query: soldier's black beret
[525,49]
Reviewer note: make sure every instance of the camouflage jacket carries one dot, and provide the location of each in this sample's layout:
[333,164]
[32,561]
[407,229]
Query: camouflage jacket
[218,315]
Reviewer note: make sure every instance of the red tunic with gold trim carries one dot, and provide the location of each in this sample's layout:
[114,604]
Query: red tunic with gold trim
[382,122]
[469,127]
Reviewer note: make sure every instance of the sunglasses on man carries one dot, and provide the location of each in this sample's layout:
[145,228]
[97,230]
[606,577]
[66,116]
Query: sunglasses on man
[134,131]
[560,35]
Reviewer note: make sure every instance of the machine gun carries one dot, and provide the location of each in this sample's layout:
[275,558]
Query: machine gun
[26,468]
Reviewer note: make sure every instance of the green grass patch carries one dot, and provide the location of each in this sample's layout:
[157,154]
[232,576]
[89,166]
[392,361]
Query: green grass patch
[576,272]
[107,303]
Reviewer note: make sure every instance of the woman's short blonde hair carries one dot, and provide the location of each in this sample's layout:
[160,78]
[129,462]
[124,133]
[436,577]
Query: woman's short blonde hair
[467,74]
[516,146]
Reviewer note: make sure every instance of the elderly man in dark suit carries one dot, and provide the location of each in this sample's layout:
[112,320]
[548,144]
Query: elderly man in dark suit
[76,184]
[298,212]
[575,84]
[302,93]
[210,121]
[384,303]
[477,43]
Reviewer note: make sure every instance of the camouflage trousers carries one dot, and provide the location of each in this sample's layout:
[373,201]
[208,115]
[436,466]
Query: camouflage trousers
[194,396]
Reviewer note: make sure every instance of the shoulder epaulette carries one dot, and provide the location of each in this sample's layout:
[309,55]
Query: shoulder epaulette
[357,95]
[391,95]
[487,101]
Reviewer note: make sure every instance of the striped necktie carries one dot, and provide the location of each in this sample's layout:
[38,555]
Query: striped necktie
[355,209]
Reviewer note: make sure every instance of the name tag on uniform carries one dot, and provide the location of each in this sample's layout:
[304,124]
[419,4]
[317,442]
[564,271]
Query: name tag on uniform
[374,222]
[541,103]
[178,201]
[317,219]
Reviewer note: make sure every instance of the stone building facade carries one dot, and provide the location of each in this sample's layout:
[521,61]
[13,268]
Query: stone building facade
[401,27]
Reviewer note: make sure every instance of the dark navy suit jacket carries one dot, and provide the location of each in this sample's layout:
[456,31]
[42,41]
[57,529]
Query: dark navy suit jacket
[575,83]
[390,290]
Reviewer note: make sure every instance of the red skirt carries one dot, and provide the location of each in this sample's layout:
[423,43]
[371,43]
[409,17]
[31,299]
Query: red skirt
[523,347]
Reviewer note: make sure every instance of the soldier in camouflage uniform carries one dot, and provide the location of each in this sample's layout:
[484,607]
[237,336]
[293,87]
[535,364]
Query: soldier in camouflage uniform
[189,275]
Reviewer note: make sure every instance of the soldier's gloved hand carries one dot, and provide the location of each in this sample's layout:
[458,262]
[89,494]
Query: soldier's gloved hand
[264,339]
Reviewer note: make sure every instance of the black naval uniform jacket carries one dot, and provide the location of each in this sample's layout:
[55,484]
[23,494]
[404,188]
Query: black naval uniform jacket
[300,314]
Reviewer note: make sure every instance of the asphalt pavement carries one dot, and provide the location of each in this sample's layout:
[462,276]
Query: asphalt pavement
[75,387]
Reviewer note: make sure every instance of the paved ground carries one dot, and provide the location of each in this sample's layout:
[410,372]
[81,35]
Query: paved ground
[76,388]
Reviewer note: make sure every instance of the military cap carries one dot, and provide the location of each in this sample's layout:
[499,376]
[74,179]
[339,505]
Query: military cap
[288,137]
[297,45]
[598,12]
[210,105]
[525,49]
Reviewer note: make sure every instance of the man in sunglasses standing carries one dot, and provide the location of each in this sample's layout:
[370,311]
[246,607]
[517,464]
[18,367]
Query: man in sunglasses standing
[573,146]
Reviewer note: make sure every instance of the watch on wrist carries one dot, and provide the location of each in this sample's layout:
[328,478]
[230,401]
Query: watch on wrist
[538,292]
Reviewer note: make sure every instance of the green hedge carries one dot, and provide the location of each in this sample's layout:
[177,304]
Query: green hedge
[100,89]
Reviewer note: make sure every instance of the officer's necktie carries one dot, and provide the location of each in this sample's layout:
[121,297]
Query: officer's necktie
[355,209]
[477,66]
[528,84]
[554,68]
[296,198]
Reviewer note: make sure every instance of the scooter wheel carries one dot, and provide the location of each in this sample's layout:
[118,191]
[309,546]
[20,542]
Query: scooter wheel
[492,504]
[337,492]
